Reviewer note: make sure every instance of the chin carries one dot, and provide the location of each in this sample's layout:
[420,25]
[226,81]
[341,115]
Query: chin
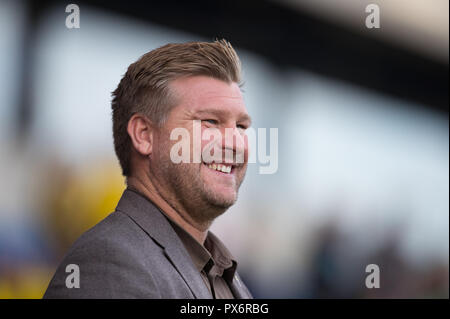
[218,199]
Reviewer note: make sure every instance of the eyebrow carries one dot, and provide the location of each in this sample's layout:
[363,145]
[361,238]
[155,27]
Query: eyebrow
[242,116]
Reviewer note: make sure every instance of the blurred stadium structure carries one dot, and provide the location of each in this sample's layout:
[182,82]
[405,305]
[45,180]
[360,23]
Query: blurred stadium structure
[362,116]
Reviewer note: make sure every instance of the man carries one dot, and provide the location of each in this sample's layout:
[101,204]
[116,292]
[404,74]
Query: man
[157,243]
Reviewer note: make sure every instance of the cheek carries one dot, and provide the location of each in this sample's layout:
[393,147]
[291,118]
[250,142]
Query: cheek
[246,148]
[210,146]
[204,143]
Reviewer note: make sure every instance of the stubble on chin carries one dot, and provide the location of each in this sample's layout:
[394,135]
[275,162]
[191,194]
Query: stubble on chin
[187,190]
[201,202]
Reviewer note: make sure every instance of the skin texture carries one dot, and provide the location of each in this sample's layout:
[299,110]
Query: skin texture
[192,194]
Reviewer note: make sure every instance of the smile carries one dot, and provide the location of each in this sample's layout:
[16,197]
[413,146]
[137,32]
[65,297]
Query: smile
[224,168]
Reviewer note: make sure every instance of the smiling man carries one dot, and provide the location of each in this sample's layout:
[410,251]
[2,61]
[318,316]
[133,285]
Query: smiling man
[157,243]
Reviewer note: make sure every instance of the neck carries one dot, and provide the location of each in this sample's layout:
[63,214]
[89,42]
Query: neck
[178,215]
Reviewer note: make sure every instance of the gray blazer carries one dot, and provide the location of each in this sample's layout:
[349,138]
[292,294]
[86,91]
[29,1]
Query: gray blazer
[133,253]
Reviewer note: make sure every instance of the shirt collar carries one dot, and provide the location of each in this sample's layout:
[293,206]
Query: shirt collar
[213,252]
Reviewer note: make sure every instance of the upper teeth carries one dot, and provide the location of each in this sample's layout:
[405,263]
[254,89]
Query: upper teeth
[220,168]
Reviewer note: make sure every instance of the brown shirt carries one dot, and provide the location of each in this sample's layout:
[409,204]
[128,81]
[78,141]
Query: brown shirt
[213,260]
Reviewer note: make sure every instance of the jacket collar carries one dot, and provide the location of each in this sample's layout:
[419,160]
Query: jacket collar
[239,290]
[153,221]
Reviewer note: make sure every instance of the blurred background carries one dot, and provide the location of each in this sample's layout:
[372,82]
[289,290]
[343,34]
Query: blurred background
[362,118]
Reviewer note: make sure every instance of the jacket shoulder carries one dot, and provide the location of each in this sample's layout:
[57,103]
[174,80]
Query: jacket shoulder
[109,261]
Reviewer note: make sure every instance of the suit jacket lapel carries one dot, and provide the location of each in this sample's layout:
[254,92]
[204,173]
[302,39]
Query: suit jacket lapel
[155,224]
[238,288]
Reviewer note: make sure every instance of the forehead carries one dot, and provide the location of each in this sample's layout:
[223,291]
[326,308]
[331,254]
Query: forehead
[202,93]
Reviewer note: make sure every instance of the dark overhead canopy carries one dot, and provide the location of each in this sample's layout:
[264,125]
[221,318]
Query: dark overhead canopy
[289,38]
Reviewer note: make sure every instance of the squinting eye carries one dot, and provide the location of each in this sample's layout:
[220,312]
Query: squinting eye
[243,127]
[210,121]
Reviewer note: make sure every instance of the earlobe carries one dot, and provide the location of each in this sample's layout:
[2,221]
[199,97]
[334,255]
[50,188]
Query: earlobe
[141,134]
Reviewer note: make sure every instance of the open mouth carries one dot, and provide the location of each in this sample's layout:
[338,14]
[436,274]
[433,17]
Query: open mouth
[221,168]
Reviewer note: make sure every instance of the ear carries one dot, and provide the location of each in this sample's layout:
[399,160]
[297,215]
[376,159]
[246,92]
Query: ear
[140,131]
